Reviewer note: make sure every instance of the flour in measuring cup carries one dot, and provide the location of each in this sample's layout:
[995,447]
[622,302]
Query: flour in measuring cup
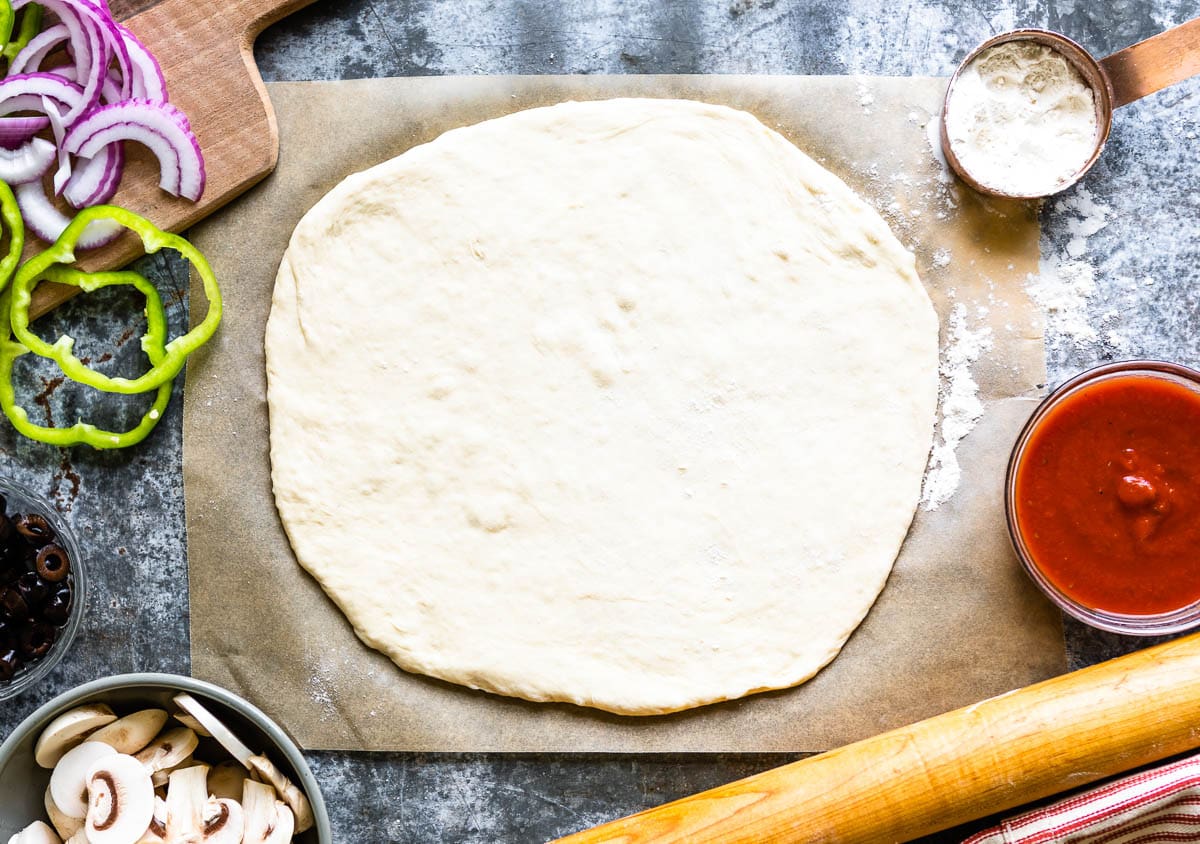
[1021,119]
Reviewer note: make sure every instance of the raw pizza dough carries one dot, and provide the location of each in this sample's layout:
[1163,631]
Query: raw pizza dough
[622,403]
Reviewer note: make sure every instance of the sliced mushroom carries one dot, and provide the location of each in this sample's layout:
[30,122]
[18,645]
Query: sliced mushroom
[64,826]
[224,821]
[187,794]
[260,766]
[288,792]
[268,820]
[68,783]
[215,728]
[157,833]
[78,838]
[133,732]
[161,778]
[36,833]
[120,800]
[225,781]
[68,730]
[168,750]
[192,724]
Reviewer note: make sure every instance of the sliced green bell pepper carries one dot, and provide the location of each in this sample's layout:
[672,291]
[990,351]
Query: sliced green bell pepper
[62,252]
[83,432]
[31,25]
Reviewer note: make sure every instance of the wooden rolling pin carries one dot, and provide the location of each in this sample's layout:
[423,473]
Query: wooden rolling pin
[947,770]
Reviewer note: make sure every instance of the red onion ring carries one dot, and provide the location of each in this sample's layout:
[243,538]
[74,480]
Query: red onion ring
[147,80]
[41,45]
[15,131]
[24,92]
[94,180]
[159,126]
[47,222]
[27,163]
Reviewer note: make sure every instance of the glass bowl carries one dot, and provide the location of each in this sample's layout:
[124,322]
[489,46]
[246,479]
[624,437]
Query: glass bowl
[21,499]
[1158,624]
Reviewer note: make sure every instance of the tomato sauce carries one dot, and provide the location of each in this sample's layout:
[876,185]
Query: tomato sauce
[1107,495]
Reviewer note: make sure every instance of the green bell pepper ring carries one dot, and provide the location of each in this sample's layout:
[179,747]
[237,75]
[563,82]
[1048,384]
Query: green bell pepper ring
[61,351]
[7,18]
[31,25]
[10,214]
[83,432]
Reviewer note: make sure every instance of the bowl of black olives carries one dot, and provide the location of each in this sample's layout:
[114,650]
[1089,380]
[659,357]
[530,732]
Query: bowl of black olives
[42,588]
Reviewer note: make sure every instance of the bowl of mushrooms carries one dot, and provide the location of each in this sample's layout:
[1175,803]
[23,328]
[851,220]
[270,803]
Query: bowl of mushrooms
[151,759]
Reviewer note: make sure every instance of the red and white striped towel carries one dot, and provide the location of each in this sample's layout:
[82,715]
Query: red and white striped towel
[1161,805]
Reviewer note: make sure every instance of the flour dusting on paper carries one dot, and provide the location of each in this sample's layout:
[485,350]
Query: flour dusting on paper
[960,405]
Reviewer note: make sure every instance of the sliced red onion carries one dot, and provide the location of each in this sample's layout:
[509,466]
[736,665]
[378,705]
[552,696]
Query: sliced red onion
[41,45]
[110,92]
[89,46]
[69,18]
[47,222]
[24,92]
[115,47]
[94,181]
[64,161]
[159,126]
[96,64]
[147,79]
[15,131]
[27,163]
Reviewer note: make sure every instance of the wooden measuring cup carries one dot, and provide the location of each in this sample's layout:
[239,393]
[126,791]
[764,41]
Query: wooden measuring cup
[1122,78]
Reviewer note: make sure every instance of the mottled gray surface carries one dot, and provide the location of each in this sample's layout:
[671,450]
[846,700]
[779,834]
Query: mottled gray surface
[128,507]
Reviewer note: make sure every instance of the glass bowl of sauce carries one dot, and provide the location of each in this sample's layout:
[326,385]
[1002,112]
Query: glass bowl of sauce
[1102,497]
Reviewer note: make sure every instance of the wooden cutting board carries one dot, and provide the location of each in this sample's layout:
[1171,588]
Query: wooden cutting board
[206,50]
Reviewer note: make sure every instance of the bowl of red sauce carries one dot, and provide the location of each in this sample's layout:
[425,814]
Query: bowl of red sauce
[1103,497]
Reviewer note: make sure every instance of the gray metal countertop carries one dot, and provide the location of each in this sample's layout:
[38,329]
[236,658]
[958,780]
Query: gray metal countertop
[1132,222]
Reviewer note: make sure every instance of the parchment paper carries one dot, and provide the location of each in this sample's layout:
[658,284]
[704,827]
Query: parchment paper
[957,622]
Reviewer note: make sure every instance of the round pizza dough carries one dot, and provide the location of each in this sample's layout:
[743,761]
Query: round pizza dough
[621,403]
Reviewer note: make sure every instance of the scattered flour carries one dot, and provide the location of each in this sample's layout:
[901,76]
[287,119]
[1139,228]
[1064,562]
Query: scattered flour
[1062,289]
[961,407]
[1066,280]
[865,98]
[320,681]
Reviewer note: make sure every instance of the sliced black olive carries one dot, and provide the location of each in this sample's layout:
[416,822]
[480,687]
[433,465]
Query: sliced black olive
[35,641]
[33,526]
[33,589]
[52,564]
[10,664]
[12,604]
[58,608]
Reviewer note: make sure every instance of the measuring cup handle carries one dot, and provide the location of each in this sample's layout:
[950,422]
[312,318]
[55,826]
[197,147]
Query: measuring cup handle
[1154,64]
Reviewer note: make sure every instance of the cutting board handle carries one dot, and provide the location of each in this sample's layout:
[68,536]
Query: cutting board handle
[945,771]
[256,15]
